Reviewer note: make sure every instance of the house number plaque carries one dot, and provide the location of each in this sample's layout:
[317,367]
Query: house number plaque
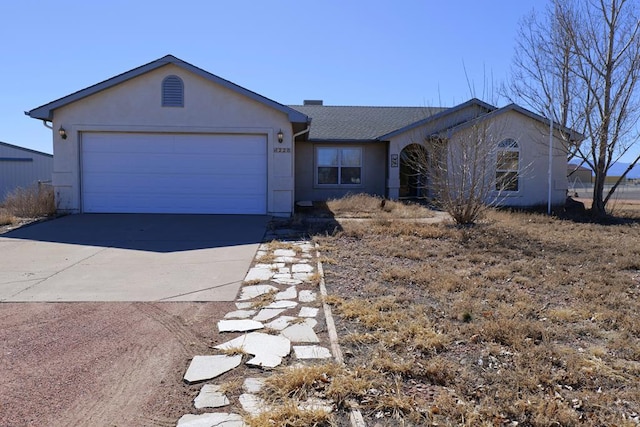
[282,150]
[394,160]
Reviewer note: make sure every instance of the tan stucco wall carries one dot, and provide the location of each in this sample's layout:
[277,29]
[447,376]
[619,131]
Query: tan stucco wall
[373,172]
[135,106]
[417,136]
[533,139]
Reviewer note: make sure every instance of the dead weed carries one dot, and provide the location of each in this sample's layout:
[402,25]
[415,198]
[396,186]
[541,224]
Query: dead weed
[367,206]
[31,202]
[521,319]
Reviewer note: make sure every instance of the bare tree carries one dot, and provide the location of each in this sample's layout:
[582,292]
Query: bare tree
[461,170]
[579,62]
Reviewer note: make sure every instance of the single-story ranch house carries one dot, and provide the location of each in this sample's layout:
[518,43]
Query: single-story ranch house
[169,137]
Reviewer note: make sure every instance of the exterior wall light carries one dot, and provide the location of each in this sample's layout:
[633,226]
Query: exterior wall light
[62,132]
[280,136]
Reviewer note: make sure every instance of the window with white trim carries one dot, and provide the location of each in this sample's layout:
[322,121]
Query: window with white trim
[172,92]
[338,166]
[507,166]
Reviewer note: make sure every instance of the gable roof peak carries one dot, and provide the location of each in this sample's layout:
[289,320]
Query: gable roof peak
[45,112]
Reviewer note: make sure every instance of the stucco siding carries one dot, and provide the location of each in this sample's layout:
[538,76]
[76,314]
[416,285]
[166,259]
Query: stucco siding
[135,106]
[22,168]
[533,141]
[373,172]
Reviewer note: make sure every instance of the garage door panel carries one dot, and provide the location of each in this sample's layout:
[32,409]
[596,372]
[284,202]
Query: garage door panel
[174,173]
[145,183]
[144,143]
[154,163]
[232,205]
[170,180]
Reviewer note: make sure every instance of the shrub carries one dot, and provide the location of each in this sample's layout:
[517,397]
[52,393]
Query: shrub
[6,218]
[31,202]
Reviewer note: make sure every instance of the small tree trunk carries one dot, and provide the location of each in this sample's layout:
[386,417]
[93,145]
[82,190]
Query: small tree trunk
[598,206]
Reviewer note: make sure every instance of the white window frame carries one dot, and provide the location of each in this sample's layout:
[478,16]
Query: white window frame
[508,145]
[339,166]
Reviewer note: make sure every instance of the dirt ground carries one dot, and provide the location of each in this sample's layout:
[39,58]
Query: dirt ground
[101,364]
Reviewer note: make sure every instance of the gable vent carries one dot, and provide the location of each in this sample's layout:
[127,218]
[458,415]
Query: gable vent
[172,92]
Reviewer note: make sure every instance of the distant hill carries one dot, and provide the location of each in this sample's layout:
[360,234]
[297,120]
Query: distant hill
[618,169]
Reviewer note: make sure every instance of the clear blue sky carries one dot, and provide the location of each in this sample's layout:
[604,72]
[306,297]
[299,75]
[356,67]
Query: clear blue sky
[347,52]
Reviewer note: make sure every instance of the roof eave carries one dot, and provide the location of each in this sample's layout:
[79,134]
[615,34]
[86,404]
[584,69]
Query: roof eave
[573,135]
[439,115]
[30,150]
[343,140]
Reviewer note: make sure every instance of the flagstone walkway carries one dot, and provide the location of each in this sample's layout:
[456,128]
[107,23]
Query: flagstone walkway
[277,311]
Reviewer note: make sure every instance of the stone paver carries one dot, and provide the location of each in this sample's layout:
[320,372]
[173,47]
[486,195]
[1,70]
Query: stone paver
[288,281]
[300,333]
[283,304]
[301,268]
[218,419]
[289,293]
[268,313]
[284,252]
[311,352]
[308,312]
[210,396]
[304,277]
[258,274]
[240,314]
[280,323]
[244,305]
[267,348]
[307,296]
[254,291]
[291,269]
[310,322]
[206,367]
[239,325]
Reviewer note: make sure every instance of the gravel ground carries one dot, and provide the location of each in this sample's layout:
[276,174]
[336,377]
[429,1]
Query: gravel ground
[99,364]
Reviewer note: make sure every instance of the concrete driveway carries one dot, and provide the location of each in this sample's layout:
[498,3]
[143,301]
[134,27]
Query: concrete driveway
[129,257]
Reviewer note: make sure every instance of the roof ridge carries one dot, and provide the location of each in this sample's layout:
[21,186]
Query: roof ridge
[366,106]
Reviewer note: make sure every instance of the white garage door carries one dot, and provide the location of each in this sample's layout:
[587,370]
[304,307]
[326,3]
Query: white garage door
[174,173]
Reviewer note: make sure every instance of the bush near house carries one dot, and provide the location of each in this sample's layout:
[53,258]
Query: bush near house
[6,218]
[31,202]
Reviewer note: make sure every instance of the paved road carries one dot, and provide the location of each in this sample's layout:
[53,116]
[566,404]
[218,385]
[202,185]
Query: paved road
[122,257]
[624,192]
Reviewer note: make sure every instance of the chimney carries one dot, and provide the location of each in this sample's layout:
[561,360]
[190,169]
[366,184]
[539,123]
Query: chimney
[313,102]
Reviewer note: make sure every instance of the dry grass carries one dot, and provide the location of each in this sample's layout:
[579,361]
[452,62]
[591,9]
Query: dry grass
[291,415]
[523,318]
[366,206]
[31,202]
[277,244]
[264,299]
[6,218]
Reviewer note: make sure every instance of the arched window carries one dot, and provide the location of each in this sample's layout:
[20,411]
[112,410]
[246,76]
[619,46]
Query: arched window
[507,166]
[172,92]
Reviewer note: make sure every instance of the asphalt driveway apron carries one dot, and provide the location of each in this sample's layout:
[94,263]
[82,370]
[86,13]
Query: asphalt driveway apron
[129,257]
